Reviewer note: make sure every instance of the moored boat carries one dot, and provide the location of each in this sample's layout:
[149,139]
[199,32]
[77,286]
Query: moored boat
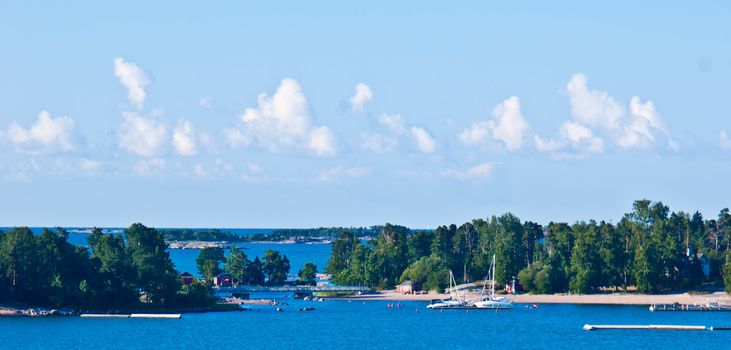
[455,301]
[491,301]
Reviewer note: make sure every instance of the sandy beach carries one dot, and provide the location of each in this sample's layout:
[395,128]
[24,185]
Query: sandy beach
[610,298]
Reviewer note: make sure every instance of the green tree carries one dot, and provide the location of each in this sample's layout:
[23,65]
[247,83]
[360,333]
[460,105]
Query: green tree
[308,273]
[115,285]
[612,253]
[18,264]
[586,262]
[342,250]
[256,273]
[237,264]
[465,244]
[727,272]
[208,262]
[389,258]
[429,271]
[275,267]
[156,275]
[419,245]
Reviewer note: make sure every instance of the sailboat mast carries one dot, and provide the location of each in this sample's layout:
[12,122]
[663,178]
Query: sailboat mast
[492,267]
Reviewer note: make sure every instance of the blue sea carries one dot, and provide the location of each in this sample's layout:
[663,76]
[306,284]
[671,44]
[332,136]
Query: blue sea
[371,324]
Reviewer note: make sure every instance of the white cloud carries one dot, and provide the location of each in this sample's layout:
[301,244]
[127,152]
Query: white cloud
[394,123]
[476,173]
[424,140]
[149,167]
[592,107]
[574,141]
[142,136]
[641,126]
[637,129]
[508,126]
[184,139]
[340,172]
[47,135]
[362,95]
[397,128]
[724,140]
[134,79]
[281,122]
[322,141]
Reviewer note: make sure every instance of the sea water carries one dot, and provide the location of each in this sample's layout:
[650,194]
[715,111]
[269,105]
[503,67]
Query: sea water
[372,324]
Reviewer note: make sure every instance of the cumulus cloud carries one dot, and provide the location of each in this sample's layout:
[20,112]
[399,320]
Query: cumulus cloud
[724,140]
[397,128]
[508,126]
[424,141]
[322,141]
[281,121]
[143,136]
[636,128]
[184,140]
[574,140]
[362,95]
[46,136]
[597,117]
[592,107]
[478,172]
[134,79]
[641,126]
[340,172]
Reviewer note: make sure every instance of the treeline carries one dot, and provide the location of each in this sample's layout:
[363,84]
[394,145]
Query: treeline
[276,235]
[117,272]
[189,234]
[650,248]
[307,234]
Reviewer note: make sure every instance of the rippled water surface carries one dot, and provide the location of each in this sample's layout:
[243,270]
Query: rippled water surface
[341,324]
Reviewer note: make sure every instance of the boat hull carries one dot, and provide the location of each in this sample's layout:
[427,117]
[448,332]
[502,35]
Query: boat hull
[494,304]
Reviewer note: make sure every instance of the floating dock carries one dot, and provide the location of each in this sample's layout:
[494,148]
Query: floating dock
[155,316]
[690,307]
[104,316]
[131,315]
[589,327]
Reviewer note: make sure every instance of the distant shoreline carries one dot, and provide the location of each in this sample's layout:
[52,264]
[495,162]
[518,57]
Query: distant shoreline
[582,299]
[227,244]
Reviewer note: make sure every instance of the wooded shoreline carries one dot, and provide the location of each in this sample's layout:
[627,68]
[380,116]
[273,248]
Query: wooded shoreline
[583,299]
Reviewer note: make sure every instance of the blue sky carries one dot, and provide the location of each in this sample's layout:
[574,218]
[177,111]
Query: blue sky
[291,114]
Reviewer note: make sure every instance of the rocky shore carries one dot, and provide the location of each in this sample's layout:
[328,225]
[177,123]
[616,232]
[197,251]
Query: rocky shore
[198,244]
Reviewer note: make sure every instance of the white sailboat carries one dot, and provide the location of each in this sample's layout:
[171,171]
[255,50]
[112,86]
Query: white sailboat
[492,301]
[455,301]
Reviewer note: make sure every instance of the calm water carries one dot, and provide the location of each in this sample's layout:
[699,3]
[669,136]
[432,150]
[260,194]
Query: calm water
[341,324]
